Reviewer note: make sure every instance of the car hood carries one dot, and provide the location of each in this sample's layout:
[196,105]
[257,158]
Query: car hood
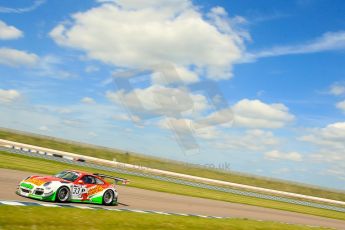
[39,180]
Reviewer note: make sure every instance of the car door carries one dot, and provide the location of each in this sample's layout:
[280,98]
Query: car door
[91,187]
[81,187]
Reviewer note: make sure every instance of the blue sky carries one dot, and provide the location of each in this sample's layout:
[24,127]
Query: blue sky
[256,85]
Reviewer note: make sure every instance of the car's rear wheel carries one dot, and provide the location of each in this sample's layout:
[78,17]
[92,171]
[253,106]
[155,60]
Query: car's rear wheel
[108,197]
[62,194]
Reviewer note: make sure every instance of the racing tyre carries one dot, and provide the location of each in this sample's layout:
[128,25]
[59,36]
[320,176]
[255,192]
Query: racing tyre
[108,197]
[62,194]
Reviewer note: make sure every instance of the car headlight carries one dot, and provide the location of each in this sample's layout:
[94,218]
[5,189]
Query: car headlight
[46,184]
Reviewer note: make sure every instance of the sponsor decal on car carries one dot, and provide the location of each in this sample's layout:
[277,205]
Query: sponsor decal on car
[35,181]
[95,190]
[25,185]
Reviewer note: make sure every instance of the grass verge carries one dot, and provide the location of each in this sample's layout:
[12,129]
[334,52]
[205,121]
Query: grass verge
[12,161]
[63,218]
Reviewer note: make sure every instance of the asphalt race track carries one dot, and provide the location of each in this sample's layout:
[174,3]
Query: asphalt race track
[134,198]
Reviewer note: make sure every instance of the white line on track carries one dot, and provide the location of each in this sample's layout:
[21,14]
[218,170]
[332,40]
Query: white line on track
[83,207]
[163,213]
[12,203]
[135,210]
[49,205]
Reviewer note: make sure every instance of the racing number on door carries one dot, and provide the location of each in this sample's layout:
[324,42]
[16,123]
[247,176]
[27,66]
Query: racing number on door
[76,191]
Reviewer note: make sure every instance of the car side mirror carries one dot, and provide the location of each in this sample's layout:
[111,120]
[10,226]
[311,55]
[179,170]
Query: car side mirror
[80,182]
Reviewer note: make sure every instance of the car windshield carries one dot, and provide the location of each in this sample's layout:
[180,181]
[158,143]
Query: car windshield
[68,175]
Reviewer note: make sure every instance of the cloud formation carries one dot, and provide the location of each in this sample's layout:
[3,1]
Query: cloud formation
[337,89]
[329,41]
[146,33]
[88,100]
[252,140]
[9,32]
[35,5]
[331,137]
[278,155]
[257,114]
[159,100]
[330,147]
[17,58]
[9,96]
[341,105]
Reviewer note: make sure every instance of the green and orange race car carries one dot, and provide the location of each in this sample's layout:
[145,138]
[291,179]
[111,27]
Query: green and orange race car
[71,186]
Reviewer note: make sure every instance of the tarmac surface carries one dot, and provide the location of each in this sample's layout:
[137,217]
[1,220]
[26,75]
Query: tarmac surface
[141,199]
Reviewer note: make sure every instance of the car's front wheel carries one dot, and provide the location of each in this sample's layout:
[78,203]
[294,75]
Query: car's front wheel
[108,197]
[62,194]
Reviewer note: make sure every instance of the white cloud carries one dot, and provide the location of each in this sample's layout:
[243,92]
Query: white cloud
[88,100]
[207,133]
[173,75]
[160,100]
[185,127]
[126,117]
[16,58]
[256,114]
[189,131]
[121,117]
[331,138]
[329,143]
[43,128]
[36,4]
[223,117]
[9,32]
[278,155]
[341,105]
[337,89]
[9,96]
[46,66]
[174,102]
[146,33]
[52,66]
[253,140]
[174,5]
[253,114]
[327,42]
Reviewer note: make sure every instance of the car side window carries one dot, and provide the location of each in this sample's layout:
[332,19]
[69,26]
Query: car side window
[98,181]
[89,180]
[85,179]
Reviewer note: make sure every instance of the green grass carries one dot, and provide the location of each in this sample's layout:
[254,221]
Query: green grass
[168,165]
[65,218]
[12,161]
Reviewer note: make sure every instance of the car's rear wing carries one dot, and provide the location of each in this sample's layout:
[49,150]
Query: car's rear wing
[116,179]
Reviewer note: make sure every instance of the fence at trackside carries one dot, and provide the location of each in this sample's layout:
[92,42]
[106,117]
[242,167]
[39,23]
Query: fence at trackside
[199,182]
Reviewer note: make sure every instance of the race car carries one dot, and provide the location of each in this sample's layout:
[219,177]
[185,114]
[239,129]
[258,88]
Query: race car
[71,186]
